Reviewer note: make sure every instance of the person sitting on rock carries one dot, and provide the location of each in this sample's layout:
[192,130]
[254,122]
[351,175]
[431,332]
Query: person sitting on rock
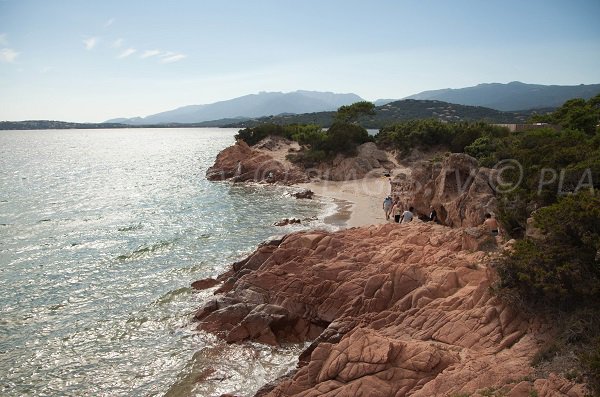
[491,224]
[387,207]
[407,216]
[433,215]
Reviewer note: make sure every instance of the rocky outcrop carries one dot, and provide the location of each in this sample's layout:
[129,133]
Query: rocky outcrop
[368,161]
[265,162]
[304,194]
[241,163]
[287,221]
[394,310]
[459,190]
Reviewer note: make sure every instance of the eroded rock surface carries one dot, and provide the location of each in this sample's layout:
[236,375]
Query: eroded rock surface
[394,310]
[369,161]
[460,191]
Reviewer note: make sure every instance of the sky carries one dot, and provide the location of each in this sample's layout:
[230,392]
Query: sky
[90,61]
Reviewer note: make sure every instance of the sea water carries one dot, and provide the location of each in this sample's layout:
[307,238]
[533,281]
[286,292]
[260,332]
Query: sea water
[101,234]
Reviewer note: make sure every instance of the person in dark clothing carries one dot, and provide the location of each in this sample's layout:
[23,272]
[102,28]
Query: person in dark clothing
[433,215]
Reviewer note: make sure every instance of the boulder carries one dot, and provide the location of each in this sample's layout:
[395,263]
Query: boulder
[205,283]
[532,231]
[287,221]
[304,194]
[369,161]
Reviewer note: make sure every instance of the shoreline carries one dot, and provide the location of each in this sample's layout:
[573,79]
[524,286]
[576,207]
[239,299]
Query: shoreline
[359,201]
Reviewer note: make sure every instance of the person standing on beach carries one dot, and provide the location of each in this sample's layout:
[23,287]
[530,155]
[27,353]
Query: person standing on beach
[387,207]
[407,216]
[396,211]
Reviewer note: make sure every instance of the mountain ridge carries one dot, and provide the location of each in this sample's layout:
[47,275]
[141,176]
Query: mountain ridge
[402,110]
[513,96]
[251,105]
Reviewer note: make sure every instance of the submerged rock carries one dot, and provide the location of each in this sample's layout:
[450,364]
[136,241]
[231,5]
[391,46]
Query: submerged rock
[287,221]
[205,283]
[304,194]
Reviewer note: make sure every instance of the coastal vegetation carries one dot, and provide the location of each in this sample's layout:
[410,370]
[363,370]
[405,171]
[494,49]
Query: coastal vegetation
[430,133]
[556,274]
[318,145]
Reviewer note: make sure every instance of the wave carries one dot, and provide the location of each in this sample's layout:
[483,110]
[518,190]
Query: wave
[147,250]
[327,216]
[130,228]
[172,295]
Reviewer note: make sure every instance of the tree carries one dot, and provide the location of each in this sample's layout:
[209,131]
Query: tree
[575,114]
[350,113]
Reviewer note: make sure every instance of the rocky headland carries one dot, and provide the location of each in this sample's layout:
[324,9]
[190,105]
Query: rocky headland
[390,309]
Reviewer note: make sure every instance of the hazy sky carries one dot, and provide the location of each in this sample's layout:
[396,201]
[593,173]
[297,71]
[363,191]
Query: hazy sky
[99,59]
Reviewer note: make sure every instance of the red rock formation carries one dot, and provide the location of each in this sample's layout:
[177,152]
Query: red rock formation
[396,310]
[241,163]
[460,191]
[369,161]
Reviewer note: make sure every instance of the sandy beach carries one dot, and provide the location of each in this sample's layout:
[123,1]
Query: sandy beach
[360,200]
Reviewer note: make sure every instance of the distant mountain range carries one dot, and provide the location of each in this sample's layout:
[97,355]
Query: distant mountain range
[494,102]
[255,105]
[397,111]
[515,96]
[512,96]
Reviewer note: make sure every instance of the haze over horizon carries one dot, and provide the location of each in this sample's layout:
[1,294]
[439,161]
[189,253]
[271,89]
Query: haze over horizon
[89,62]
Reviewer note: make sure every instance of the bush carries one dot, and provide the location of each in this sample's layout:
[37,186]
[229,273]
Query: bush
[344,138]
[576,114]
[564,268]
[254,135]
[424,134]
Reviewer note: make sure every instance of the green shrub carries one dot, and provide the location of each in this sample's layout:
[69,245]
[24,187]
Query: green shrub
[576,114]
[564,268]
[590,359]
[309,135]
[424,134]
[254,135]
[344,138]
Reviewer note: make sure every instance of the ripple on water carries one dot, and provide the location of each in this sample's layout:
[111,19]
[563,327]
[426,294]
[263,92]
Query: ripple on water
[103,233]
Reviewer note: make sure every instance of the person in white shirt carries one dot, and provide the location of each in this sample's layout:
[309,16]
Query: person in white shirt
[387,206]
[407,216]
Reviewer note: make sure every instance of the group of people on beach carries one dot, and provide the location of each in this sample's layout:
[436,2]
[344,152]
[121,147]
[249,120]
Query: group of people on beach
[393,210]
